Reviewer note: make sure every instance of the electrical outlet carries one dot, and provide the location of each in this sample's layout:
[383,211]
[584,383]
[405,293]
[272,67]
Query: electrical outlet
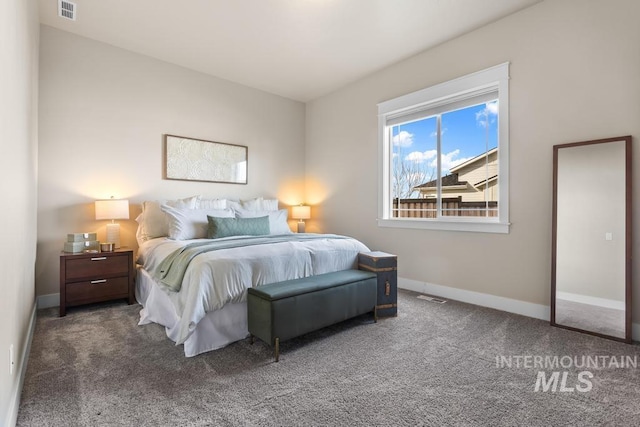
[12,362]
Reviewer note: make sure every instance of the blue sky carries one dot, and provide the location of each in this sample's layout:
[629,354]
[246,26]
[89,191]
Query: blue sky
[466,133]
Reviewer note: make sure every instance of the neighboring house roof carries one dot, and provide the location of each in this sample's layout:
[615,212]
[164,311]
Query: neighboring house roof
[451,182]
[473,160]
[447,181]
[490,179]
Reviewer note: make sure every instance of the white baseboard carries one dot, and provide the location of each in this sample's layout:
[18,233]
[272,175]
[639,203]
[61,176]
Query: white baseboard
[537,311]
[585,299]
[47,301]
[14,404]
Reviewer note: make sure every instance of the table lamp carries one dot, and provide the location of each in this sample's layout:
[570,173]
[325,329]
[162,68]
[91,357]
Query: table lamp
[112,209]
[300,213]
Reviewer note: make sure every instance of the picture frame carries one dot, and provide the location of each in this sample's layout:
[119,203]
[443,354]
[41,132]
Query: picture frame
[192,159]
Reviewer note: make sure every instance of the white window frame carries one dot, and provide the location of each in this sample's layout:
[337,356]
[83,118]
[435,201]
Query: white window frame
[438,97]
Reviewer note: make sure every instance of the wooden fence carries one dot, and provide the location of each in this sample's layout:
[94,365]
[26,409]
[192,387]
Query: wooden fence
[452,206]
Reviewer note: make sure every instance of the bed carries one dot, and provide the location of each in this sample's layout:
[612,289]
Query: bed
[202,302]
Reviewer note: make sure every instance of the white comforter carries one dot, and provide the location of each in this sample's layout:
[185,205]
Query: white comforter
[218,277]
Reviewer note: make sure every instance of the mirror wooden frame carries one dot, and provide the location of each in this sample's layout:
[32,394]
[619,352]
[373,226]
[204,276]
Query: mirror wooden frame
[628,237]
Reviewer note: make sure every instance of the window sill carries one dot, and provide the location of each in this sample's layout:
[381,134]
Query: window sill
[447,225]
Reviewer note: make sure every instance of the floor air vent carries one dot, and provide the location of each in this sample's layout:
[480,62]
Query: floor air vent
[67,9]
[431,299]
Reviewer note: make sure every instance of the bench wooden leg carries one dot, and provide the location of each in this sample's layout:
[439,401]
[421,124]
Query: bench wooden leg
[375,314]
[277,349]
[251,339]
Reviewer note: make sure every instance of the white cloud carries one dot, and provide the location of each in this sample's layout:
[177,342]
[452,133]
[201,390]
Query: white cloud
[449,161]
[421,156]
[403,139]
[488,114]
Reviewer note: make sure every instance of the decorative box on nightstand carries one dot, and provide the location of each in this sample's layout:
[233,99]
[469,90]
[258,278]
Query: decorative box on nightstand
[95,277]
[386,267]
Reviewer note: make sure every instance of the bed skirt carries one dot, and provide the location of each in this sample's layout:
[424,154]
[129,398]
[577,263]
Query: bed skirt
[216,330]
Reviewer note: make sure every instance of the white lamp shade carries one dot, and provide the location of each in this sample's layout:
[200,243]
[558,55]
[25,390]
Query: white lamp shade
[301,212]
[112,209]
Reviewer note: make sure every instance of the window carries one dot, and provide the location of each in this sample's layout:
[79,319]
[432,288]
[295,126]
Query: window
[444,155]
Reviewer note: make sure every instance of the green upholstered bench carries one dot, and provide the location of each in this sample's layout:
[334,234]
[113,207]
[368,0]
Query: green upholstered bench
[284,310]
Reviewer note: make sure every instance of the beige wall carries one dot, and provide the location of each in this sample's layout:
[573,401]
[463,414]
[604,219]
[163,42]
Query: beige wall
[575,75]
[103,112]
[18,173]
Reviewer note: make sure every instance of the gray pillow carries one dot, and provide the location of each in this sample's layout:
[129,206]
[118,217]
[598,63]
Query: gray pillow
[277,219]
[227,227]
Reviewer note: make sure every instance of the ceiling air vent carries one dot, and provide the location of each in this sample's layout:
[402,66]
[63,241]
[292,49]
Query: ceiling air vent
[67,9]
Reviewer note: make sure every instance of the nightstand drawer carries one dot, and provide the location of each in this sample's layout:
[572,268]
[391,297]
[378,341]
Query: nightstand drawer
[96,290]
[96,266]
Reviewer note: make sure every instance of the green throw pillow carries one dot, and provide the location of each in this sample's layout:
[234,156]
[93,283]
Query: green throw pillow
[226,227]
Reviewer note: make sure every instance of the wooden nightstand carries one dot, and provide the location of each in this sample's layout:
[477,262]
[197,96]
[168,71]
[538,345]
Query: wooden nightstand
[95,277]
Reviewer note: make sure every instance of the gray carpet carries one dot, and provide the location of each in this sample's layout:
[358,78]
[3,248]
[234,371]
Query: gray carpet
[593,318]
[433,365]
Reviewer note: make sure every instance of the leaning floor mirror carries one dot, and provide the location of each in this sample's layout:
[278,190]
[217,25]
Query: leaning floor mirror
[591,252]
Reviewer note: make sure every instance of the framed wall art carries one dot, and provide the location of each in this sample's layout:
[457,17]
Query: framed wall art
[200,160]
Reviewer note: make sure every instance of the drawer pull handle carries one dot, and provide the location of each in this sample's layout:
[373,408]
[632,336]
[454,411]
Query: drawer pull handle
[102,258]
[387,288]
[94,282]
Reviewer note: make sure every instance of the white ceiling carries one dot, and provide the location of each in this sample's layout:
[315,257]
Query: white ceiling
[299,49]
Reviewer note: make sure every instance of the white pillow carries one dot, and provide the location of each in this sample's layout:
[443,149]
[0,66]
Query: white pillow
[185,224]
[140,221]
[260,204]
[153,222]
[211,204]
[277,219]
[234,204]
[270,204]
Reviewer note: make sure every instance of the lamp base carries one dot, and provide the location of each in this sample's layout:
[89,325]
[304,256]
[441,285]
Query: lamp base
[113,234]
[301,227]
